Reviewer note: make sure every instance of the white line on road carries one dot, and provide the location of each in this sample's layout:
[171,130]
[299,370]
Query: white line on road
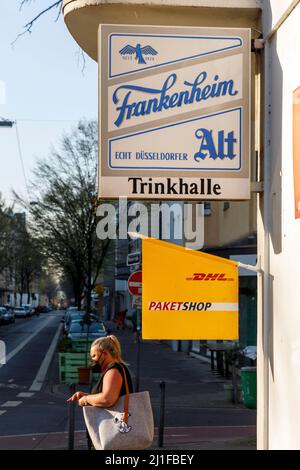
[26,341]
[40,377]
[11,404]
[25,395]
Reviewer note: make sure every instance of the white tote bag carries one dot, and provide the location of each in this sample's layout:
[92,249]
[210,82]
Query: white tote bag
[128,425]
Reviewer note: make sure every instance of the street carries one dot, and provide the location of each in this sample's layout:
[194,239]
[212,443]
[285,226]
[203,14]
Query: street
[34,412]
[26,406]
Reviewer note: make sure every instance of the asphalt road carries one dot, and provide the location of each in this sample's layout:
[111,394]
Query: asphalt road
[26,403]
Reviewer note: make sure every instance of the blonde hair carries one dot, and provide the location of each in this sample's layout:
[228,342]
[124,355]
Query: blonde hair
[110,344]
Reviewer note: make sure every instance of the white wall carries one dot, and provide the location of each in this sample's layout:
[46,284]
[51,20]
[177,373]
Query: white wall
[273,10]
[284,340]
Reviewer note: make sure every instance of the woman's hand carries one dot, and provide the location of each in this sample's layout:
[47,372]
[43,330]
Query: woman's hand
[82,401]
[77,396]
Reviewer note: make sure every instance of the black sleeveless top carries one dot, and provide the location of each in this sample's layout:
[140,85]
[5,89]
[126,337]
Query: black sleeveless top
[99,384]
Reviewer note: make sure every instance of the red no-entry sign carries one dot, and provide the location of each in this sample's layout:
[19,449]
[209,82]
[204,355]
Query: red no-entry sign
[135,283]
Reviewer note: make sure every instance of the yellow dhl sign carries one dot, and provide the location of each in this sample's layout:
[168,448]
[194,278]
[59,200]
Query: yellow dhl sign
[187,294]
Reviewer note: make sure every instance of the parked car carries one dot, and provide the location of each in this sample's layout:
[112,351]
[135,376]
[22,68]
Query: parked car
[78,330]
[6,316]
[72,309]
[29,309]
[20,312]
[41,309]
[47,309]
[76,317]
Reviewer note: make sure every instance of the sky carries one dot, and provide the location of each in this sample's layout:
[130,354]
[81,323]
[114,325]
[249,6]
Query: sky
[42,87]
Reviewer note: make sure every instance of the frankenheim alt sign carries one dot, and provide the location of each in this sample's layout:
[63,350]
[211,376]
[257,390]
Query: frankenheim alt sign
[174,112]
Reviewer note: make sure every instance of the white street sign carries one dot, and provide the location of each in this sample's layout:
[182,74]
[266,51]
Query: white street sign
[174,112]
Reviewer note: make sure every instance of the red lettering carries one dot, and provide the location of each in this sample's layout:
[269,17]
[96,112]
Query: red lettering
[222,277]
[198,276]
[211,277]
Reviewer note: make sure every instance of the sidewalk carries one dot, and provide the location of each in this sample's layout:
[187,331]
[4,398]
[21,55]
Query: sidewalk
[192,438]
[197,415]
[195,407]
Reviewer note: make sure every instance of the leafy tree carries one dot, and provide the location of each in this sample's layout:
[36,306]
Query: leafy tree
[63,213]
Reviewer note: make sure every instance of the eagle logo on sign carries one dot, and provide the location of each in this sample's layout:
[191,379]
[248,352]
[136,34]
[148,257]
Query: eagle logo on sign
[139,52]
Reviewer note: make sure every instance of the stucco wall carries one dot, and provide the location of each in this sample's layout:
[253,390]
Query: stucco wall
[284,341]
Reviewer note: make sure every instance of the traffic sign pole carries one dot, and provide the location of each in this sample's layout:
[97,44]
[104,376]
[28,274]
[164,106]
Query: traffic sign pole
[135,289]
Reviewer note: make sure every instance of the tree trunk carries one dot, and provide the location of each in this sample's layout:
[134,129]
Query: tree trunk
[89,280]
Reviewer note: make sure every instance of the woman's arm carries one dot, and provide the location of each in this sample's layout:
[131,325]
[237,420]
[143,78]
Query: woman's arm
[76,396]
[112,383]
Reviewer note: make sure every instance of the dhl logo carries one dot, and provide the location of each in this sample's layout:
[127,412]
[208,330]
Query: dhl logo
[209,277]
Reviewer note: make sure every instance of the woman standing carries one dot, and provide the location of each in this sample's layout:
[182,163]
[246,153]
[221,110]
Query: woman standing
[106,357]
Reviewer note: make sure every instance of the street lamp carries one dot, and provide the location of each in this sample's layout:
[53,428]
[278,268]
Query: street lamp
[6,122]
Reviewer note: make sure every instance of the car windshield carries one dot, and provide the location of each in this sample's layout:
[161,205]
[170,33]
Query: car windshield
[79,328]
[20,309]
[75,317]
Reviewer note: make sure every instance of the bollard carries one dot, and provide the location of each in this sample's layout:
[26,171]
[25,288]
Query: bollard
[162,414]
[71,420]
[138,362]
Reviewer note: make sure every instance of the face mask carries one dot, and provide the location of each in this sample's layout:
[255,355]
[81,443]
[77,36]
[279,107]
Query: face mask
[96,367]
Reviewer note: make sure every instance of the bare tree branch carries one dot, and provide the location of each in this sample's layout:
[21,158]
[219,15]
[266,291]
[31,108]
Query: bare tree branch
[23,3]
[81,59]
[29,25]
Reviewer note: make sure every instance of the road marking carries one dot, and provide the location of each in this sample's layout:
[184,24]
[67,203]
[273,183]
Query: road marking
[25,395]
[11,404]
[2,412]
[40,377]
[26,341]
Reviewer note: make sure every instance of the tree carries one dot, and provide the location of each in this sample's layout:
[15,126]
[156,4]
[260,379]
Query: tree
[51,6]
[6,234]
[63,213]
[48,283]
[26,259]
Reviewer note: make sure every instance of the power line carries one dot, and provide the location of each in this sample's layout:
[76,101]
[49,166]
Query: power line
[21,156]
[50,120]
